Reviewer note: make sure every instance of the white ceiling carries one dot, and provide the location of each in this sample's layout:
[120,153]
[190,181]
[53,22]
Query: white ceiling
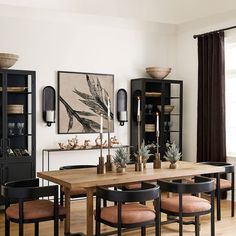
[165,11]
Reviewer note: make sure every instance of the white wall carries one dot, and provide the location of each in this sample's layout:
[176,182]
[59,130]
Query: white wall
[48,41]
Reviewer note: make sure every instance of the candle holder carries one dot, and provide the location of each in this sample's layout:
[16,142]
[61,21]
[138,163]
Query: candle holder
[101,167]
[157,161]
[109,164]
[139,164]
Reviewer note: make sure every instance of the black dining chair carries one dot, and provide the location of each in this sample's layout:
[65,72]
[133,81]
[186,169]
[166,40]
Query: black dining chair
[130,210]
[80,192]
[187,203]
[223,185]
[23,204]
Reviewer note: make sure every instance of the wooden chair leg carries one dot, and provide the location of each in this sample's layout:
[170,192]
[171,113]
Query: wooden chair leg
[61,197]
[197,228]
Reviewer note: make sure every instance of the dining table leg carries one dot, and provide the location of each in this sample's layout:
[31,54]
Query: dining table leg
[90,192]
[67,206]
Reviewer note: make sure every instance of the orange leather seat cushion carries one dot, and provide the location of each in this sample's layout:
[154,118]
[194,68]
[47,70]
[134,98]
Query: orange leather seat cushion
[76,192]
[133,186]
[131,213]
[191,204]
[224,183]
[34,210]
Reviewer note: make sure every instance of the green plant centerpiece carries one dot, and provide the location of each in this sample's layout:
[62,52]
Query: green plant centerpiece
[144,152]
[172,154]
[121,158]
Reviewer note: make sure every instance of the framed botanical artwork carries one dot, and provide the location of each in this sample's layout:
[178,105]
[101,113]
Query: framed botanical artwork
[82,99]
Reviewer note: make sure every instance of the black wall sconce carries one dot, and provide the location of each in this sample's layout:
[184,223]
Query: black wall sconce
[49,105]
[122,113]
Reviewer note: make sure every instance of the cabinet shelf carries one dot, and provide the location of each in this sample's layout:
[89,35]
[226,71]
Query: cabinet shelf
[19,135]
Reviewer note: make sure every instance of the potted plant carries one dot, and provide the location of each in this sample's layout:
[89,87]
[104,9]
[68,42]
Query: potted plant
[144,152]
[172,154]
[121,158]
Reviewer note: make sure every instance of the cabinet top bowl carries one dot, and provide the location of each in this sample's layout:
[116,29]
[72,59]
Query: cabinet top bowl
[159,73]
[7,60]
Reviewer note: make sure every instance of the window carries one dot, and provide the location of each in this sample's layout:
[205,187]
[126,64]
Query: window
[230,92]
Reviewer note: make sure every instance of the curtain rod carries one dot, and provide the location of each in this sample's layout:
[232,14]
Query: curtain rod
[215,31]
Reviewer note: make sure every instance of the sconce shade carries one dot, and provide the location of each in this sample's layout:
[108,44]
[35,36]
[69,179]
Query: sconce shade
[49,105]
[122,113]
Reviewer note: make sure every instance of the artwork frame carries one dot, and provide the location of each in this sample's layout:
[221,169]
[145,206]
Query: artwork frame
[82,98]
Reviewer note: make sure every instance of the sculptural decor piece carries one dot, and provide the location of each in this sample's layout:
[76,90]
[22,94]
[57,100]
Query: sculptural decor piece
[82,98]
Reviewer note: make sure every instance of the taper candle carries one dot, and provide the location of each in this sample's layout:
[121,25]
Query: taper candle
[101,124]
[138,110]
[108,126]
[108,108]
[157,124]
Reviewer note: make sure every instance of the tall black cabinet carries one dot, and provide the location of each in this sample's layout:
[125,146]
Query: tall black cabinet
[17,125]
[158,97]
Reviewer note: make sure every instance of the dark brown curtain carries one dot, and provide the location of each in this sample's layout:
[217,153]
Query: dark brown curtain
[211,141]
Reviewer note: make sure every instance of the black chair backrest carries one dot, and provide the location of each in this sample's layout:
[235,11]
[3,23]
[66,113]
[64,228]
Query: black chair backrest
[146,193]
[229,168]
[27,189]
[200,185]
[76,167]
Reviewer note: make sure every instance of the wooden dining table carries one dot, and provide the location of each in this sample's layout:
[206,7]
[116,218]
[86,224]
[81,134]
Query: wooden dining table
[89,179]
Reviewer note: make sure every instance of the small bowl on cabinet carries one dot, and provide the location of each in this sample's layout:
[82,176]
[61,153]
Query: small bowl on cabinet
[158,72]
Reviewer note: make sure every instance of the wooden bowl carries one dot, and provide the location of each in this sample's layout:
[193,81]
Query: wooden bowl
[158,72]
[7,60]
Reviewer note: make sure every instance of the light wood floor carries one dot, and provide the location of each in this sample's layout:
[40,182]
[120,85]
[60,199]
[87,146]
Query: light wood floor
[225,227]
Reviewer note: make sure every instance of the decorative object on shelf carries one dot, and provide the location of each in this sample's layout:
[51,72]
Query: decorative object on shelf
[15,89]
[149,127]
[114,141]
[144,152]
[122,113]
[98,141]
[121,158]
[149,107]
[11,127]
[7,60]
[82,97]
[71,144]
[167,108]
[172,154]
[152,94]
[15,109]
[49,105]
[20,126]
[101,167]
[158,72]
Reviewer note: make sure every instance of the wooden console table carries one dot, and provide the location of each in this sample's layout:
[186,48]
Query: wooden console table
[46,153]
